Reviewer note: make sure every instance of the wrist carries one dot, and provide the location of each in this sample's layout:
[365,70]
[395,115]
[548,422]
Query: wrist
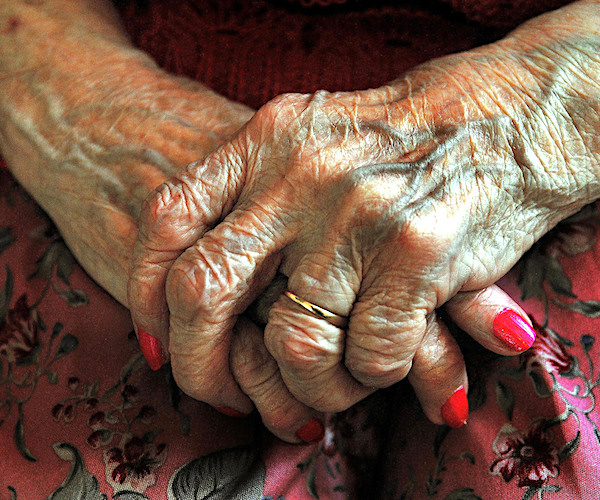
[90,126]
[559,50]
[535,94]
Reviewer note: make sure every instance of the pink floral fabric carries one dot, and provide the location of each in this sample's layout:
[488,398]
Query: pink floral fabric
[83,417]
[81,414]
[533,431]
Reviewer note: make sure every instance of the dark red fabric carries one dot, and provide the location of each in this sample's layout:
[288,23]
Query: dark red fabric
[251,51]
[82,416]
[504,13]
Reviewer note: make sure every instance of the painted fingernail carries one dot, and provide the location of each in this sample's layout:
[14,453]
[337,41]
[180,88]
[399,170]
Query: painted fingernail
[151,350]
[512,329]
[455,411]
[311,432]
[230,412]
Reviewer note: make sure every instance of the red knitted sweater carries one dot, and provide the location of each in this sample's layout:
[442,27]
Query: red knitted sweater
[253,50]
[504,13]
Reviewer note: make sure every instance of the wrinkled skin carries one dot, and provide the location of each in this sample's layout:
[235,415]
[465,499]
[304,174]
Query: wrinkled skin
[90,126]
[382,205]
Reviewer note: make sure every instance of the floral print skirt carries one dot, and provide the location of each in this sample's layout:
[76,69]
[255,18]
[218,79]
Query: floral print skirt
[83,417]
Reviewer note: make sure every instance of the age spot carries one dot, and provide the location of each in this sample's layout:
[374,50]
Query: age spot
[12,26]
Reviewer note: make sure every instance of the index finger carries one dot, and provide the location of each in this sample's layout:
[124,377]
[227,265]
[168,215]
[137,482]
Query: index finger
[213,282]
[173,218]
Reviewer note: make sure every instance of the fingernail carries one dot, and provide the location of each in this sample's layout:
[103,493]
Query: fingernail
[311,432]
[455,411]
[230,412]
[512,329]
[151,350]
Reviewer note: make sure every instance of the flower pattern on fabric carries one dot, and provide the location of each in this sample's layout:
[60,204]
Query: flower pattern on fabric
[531,456]
[118,414]
[547,354]
[132,464]
[19,334]
[541,270]
[26,356]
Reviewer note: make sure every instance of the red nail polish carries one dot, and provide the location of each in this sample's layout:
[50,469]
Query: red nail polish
[455,411]
[513,330]
[151,350]
[311,432]
[230,412]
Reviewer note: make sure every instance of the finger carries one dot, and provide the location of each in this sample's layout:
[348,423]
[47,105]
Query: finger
[258,376]
[386,327]
[438,376]
[173,217]
[494,319]
[210,284]
[308,349]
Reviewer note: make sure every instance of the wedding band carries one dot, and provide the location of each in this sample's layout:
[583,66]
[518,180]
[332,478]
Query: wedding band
[319,312]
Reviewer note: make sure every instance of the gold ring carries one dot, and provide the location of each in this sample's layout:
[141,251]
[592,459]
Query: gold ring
[319,312]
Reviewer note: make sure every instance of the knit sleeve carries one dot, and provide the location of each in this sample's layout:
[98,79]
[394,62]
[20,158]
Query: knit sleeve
[496,13]
[504,13]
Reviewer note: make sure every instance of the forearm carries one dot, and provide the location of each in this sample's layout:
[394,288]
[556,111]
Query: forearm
[561,49]
[90,125]
[533,97]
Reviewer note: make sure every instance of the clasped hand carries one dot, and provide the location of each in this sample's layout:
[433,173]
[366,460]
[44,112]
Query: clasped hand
[382,205]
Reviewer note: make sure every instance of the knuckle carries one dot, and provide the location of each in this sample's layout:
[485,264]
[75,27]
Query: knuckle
[250,362]
[379,370]
[162,206]
[370,210]
[159,203]
[300,349]
[375,213]
[418,235]
[283,107]
[316,273]
[297,353]
[196,287]
[174,209]
[374,317]
[370,194]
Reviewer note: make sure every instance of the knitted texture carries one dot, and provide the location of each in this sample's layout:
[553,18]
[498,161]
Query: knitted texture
[251,51]
[504,13]
[500,13]
[319,3]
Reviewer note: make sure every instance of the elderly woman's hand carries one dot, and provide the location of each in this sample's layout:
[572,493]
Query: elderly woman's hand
[88,140]
[378,205]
